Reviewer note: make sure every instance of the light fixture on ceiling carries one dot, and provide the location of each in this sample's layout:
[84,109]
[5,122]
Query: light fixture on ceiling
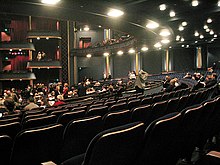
[177,38]
[157,45]
[181,28]
[201,36]
[86,28]
[115,13]
[165,41]
[187,46]
[219,3]
[196,33]
[205,27]
[182,46]
[50,2]
[215,35]
[106,54]
[100,26]
[164,32]
[120,52]
[88,55]
[207,30]
[195,3]
[152,25]
[38,38]
[211,32]
[162,7]
[172,13]
[184,23]
[182,39]
[144,49]
[209,20]
[131,50]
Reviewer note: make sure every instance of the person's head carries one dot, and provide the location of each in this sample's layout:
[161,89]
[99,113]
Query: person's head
[9,104]
[31,99]
[59,97]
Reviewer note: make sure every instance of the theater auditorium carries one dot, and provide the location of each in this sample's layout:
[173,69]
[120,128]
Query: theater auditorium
[109,82]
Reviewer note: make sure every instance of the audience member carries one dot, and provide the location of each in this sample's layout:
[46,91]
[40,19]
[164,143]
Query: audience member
[30,105]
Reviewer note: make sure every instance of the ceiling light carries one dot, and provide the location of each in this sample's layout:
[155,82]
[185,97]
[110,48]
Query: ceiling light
[47,38]
[115,13]
[182,46]
[187,46]
[131,50]
[38,38]
[184,23]
[165,41]
[196,33]
[50,2]
[162,7]
[207,30]
[215,35]
[209,20]
[88,55]
[170,47]
[201,36]
[157,45]
[181,28]
[177,38]
[86,28]
[172,14]
[100,26]
[182,39]
[205,27]
[152,25]
[211,32]
[195,3]
[144,49]
[165,33]
[120,52]
[10,50]
[106,54]
[218,3]
[196,41]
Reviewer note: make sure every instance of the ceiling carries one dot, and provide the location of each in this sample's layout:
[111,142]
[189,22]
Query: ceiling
[136,15]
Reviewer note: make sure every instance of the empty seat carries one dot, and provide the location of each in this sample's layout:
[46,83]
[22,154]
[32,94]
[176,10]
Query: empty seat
[5,151]
[117,146]
[10,120]
[37,145]
[65,118]
[118,107]
[162,141]
[33,116]
[109,103]
[156,98]
[146,100]
[182,102]
[57,113]
[114,119]
[79,108]
[142,113]
[32,112]
[95,105]
[10,129]
[101,111]
[78,134]
[41,121]
[158,109]
[133,103]
[172,105]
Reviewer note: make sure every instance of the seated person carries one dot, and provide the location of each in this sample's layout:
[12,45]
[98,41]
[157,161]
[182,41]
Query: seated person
[166,83]
[30,104]
[10,106]
[59,101]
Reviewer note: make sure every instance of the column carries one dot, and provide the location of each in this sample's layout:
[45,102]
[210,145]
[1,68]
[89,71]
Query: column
[167,69]
[75,66]
[107,36]
[198,57]
[30,51]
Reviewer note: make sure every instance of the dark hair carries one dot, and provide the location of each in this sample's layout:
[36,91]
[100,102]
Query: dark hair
[31,99]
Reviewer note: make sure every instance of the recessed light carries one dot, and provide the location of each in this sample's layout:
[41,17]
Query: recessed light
[172,13]
[88,55]
[209,20]
[195,3]
[50,2]
[162,7]
[196,33]
[182,39]
[207,30]
[177,38]
[181,28]
[211,32]
[152,25]
[115,13]
[201,36]
[120,52]
[157,45]
[215,35]
[86,28]
[165,41]
[106,54]
[205,27]
[165,33]
[184,23]
[144,49]
[131,50]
